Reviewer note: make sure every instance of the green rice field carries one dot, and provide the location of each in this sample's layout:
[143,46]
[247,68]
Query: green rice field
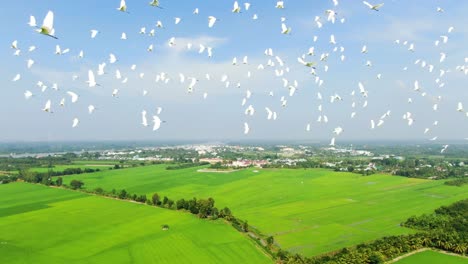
[41,224]
[432,257]
[307,211]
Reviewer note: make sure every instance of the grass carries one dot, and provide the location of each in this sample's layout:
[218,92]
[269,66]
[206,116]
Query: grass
[432,257]
[307,211]
[40,224]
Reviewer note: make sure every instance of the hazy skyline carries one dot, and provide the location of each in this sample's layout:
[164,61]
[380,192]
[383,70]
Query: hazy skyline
[220,116]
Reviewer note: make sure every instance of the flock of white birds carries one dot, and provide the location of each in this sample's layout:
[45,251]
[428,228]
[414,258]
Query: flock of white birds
[316,63]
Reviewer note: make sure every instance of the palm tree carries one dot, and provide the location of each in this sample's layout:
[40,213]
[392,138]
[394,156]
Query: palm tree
[459,248]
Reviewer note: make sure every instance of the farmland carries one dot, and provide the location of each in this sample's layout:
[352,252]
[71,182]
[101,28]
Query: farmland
[307,211]
[40,224]
[432,257]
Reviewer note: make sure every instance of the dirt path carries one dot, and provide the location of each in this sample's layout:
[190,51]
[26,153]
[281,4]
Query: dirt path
[407,255]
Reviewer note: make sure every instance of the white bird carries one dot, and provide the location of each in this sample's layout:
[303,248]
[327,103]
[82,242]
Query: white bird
[101,68]
[159,110]
[30,63]
[364,49]
[47,27]
[155,3]
[112,58]
[94,33]
[17,77]
[122,7]
[362,89]
[373,7]
[115,92]
[338,131]
[196,11]
[460,107]
[28,94]
[32,48]
[156,122]
[32,21]
[417,88]
[211,21]
[246,128]
[91,80]
[144,120]
[444,148]
[74,96]
[332,142]
[236,8]
[177,20]
[331,16]
[372,124]
[47,107]
[75,122]
[443,56]
[91,109]
[123,36]
[14,45]
[332,39]
[247,6]
[444,39]
[280,4]
[284,29]
[440,9]
[270,113]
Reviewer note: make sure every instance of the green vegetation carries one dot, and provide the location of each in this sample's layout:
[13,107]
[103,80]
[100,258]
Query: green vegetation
[432,257]
[306,211]
[39,224]
[186,165]
[457,182]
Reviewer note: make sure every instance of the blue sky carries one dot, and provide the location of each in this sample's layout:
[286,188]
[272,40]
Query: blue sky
[221,116]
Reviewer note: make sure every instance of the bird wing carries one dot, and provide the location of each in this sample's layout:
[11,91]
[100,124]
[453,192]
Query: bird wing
[91,78]
[157,123]
[48,21]
[73,96]
[284,28]
[367,4]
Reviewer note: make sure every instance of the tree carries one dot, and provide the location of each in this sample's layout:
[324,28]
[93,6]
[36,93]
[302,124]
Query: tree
[59,181]
[245,226]
[156,199]
[181,204]
[170,203]
[99,190]
[141,198]
[270,240]
[123,194]
[76,184]
[165,200]
[226,213]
